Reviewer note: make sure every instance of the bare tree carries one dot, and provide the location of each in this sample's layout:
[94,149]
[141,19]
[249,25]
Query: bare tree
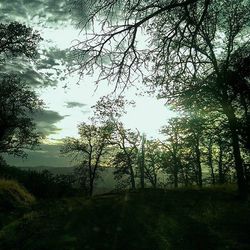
[17,39]
[114,47]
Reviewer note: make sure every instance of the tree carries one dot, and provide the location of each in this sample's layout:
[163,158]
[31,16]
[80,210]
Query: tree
[126,159]
[89,149]
[173,145]
[17,39]
[17,128]
[17,101]
[197,65]
[141,160]
[190,49]
[125,142]
[115,49]
[152,161]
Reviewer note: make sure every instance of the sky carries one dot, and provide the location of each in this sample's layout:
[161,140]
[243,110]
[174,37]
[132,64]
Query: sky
[68,101]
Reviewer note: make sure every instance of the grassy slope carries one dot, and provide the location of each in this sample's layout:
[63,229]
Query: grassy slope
[14,200]
[177,219]
[12,195]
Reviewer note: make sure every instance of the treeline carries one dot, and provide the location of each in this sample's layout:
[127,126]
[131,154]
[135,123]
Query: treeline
[196,150]
[196,57]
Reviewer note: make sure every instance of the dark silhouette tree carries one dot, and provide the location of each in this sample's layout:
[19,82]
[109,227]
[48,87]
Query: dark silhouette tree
[141,160]
[17,100]
[17,39]
[89,149]
[17,128]
[190,47]
[173,145]
[126,158]
[152,161]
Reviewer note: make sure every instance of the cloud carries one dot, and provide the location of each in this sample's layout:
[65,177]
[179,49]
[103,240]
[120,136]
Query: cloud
[49,10]
[28,72]
[46,120]
[46,13]
[46,70]
[52,64]
[75,105]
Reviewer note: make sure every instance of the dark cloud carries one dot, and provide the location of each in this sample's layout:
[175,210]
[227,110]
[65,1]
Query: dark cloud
[75,105]
[46,70]
[55,63]
[46,120]
[52,63]
[43,12]
[28,71]
[45,155]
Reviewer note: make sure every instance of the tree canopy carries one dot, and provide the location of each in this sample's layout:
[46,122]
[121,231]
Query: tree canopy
[195,54]
[18,102]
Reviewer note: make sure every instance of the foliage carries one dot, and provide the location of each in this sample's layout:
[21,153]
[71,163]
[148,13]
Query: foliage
[17,39]
[196,54]
[89,149]
[17,104]
[17,101]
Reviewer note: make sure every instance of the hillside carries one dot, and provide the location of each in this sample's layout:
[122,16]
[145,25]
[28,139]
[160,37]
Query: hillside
[152,219]
[53,170]
[13,195]
[105,183]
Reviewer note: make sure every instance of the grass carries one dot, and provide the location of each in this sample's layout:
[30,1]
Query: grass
[179,219]
[14,200]
[13,195]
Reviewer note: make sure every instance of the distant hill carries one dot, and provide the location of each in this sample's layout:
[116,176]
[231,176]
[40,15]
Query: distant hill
[53,170]
[105,184]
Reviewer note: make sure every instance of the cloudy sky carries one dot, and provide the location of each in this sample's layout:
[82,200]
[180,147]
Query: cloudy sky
[68,100]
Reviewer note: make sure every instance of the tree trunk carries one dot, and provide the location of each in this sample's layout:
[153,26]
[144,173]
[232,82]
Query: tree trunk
[132,175]
[155,176]
[210,160]
[232,120]
[220,165]
[176,178]
[198,164]
[142,163]
[91,186]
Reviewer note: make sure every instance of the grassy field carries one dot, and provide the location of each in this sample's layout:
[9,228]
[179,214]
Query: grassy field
[150,219]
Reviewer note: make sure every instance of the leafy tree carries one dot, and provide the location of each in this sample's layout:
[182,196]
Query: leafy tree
[17,101]
[126,158]
[17,128]
[89,149]
[125,142]
[211,50]
[17,39]
[190,49]
[173,145]
[152,161]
